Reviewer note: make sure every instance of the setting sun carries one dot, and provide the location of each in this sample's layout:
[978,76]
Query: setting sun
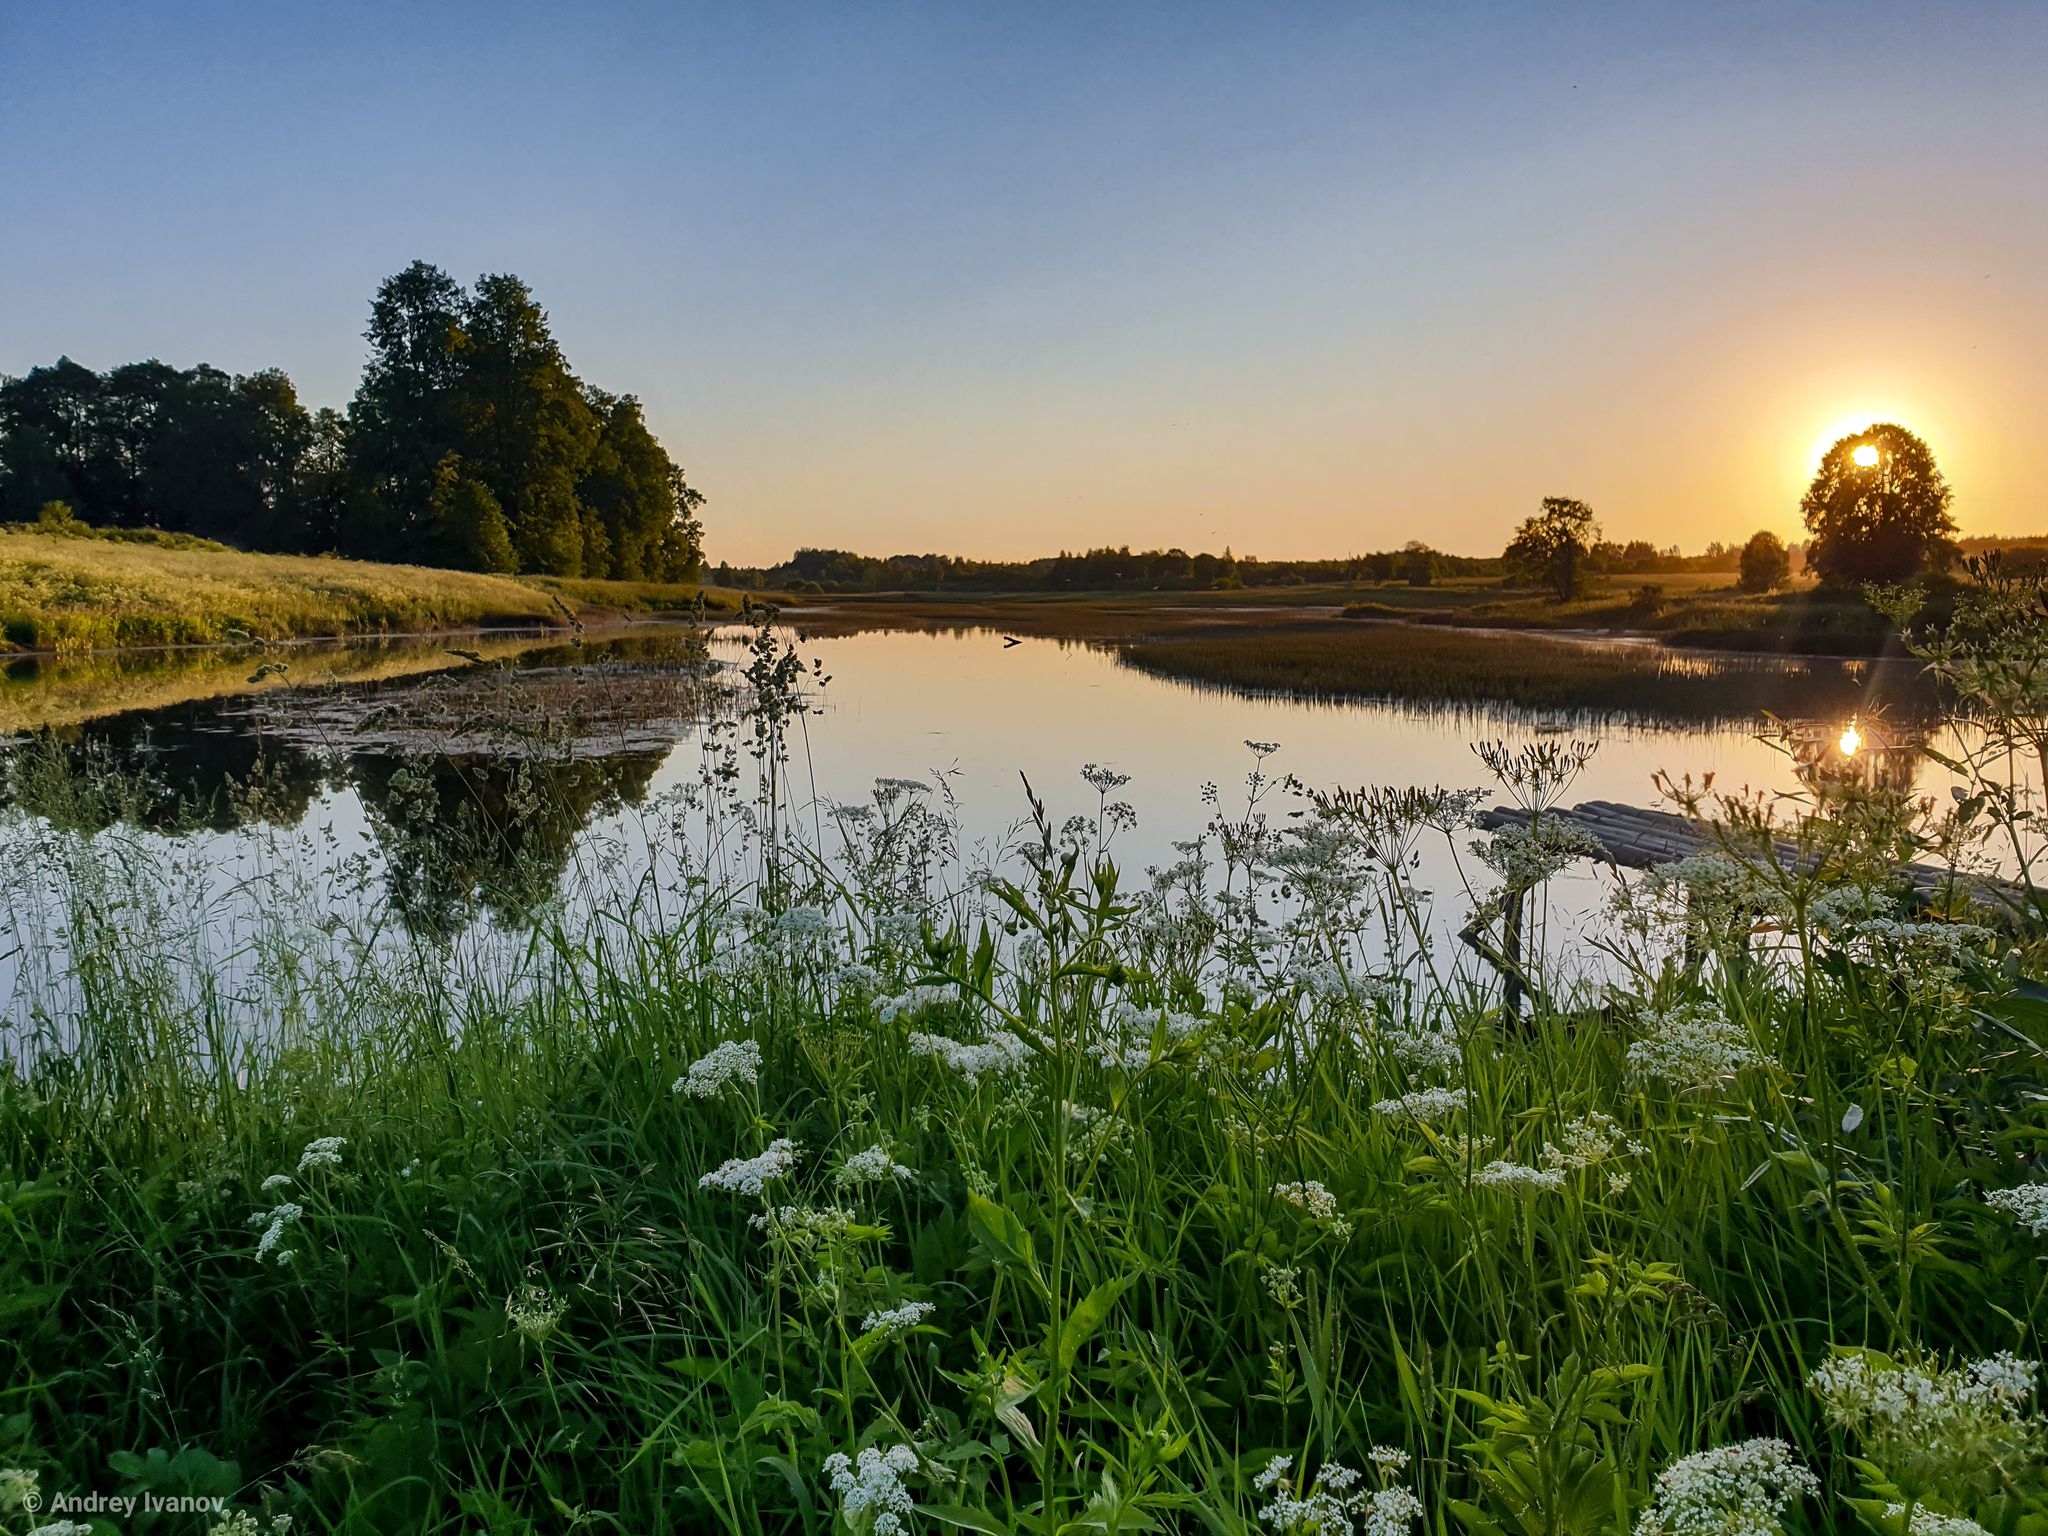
[1865,456]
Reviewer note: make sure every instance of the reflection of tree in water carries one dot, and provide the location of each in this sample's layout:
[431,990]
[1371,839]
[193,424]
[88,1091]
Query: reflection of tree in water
[464,832]
[170,770]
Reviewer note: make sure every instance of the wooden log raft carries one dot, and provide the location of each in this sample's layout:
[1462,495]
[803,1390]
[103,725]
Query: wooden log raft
[1641,839]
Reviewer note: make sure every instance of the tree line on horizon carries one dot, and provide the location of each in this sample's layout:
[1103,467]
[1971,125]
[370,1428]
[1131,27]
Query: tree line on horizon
[470,444]
[1119,569]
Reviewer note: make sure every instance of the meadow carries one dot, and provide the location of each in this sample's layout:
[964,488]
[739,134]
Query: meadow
[824,1181]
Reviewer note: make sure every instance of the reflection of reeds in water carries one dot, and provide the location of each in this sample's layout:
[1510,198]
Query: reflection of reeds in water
[1461,673]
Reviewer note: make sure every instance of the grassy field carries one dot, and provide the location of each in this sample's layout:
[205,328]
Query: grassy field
[848,1190]
[64,593]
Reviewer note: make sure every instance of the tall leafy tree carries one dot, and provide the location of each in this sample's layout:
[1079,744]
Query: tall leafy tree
[528,433]
[1553,545]
[1878,509]
[406,418]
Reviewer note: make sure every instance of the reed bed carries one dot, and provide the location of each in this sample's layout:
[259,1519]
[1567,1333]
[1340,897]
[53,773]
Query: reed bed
[817,1182]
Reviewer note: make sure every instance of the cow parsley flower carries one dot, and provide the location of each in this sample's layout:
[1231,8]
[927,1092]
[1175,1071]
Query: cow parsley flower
[751,1175]
[536,1312]
[1692,1046]
[1587,1141]
[889,1009]
[324,1153]
[897,1320]
[873,1166]
[999,1054]
[276,1182]
[729,1061]
[62,1528]
[17,1487]
[2028,1203]
[1505,1175]
[1928,1523]
[1732,1490]
[805,1225]
[1334,1505]
[1425,1105]
[1964,1430]
[873,1486]
[284,1214]
[1311,1197]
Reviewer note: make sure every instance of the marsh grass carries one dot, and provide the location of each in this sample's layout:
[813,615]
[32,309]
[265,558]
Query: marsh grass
[1445,669]
[1174,1221]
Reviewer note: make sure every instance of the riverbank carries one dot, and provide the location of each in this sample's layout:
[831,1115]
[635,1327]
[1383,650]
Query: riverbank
[67,592]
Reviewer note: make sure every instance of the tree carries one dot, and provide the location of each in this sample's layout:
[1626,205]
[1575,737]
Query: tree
[1765,564]
[1553,545]
[1878,509]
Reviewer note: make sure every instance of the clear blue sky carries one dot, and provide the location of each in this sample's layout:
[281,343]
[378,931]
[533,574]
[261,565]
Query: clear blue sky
[1000,279]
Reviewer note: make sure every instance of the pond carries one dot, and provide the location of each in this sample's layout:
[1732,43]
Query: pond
[536,774]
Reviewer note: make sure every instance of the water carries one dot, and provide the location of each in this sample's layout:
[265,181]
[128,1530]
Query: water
[337,812]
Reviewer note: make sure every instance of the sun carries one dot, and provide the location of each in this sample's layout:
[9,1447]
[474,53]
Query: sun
[1865,456]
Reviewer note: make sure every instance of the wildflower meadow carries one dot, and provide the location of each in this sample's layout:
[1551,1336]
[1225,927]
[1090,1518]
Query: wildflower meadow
[824,1178]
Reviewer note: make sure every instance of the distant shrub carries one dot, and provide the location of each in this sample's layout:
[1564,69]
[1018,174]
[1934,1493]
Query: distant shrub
[1765,563]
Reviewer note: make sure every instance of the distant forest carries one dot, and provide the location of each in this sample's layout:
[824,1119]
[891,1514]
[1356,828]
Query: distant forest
[1166,570]
[469,444]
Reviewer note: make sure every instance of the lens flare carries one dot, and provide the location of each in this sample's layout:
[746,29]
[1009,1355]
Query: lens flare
[1865,456]
[1851,740]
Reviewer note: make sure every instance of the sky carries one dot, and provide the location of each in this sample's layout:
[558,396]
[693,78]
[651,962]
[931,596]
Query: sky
[997,280]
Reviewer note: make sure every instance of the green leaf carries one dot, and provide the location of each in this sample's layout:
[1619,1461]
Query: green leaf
[1089,1314]
[999,1229]
[966,1519]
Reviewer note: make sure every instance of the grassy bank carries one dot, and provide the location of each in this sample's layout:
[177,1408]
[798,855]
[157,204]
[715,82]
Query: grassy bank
[59,593]
[1065,1202]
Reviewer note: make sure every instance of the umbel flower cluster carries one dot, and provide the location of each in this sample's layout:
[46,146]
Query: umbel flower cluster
[871,1492]
[730,1061]
[1732,1490]
[1954,1433]
[752,1175]
[1334,1503]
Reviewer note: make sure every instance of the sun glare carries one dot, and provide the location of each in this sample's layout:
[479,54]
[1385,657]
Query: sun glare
[1865,455]
[1851,740]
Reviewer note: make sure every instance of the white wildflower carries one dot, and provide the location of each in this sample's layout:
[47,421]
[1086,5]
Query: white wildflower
[873,1485]
[749,1176]
[806,1226]
[897,1320]
[276,1182]
[1335,1505]
[1963,1429]
[1733,1490]
[729,1061]
[1587,1141]
[2027,1202]
[324,1153]
[62,1528]
[536,1312]
[803,923]
[1692,1046]
[1311,1197]
[914,1001]
[1423,1048]
[1424,1105]
[1505,1175]
[861,980]
[1388,1459]
[1525,857]
[1927,1523]
[17,1487]
[1000,1053]
[284,1214]
[873,1166]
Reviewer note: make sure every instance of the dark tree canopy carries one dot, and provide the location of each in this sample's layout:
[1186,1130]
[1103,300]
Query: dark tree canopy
[1883,520]
[469,443]
[1552,546]
[1765,562]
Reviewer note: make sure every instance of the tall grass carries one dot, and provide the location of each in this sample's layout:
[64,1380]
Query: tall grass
[1099,1193]
[59,592]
